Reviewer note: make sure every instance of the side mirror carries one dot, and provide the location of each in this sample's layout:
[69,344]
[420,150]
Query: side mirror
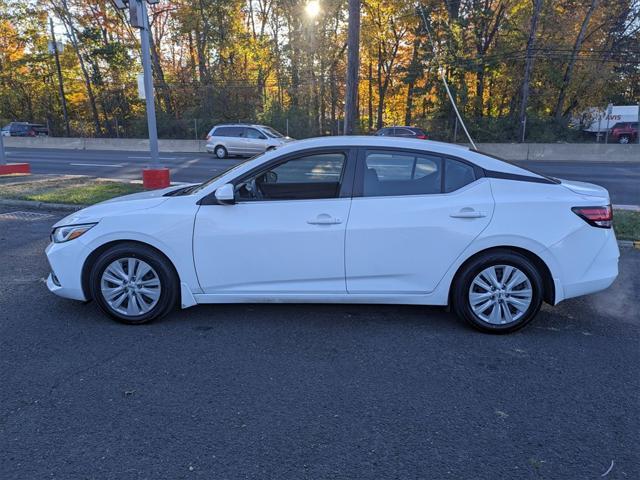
[225,195]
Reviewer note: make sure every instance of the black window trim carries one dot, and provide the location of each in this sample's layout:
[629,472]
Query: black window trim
[347,177]
[515,176]
[358,185]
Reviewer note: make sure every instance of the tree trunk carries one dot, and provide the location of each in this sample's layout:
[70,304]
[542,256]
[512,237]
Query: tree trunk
[379,119]
[412,77]
[370,99]
[353,65]
[479,107]
[528,67]
[558,111]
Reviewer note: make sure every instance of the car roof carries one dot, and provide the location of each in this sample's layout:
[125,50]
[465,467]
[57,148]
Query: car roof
[237,125]
[402,126]
[428,146]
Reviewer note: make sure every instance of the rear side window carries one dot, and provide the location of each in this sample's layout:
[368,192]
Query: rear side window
[396,173]
[404,132]
[457,175]
[399,173]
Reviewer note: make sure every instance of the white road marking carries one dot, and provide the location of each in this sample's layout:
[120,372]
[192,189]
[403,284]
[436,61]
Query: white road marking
[149,158]
[97,164]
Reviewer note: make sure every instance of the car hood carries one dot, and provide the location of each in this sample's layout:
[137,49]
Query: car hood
[583,188]
[116,206]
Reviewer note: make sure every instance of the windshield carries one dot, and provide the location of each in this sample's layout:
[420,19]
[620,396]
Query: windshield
[272,132]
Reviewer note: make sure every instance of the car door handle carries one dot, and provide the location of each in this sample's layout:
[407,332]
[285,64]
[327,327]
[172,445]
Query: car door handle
[324,219]
[464,213]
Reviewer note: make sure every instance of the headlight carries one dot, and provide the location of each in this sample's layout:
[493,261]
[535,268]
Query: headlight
[64,234]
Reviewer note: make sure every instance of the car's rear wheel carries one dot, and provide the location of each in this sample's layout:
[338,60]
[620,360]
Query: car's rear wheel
[220,152]
[624,139]
[133,284]
[498,292]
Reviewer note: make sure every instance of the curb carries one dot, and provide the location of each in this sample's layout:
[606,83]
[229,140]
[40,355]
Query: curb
[629,244]
[632,208]
[63,207]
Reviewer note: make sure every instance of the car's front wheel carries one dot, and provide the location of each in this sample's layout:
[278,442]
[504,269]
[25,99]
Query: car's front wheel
[133,283]
[624,139]
[498,292]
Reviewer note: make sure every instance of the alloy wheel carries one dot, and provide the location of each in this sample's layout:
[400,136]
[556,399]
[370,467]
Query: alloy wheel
[130,286]
[500,294]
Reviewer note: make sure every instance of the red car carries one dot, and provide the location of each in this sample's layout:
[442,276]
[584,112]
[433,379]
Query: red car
[624,132]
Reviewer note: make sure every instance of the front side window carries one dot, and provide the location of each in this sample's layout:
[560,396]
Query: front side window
[253,133]
[400,173]
[313,176]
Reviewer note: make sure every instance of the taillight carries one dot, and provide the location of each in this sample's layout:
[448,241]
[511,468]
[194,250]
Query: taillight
[421,137]
[596,216]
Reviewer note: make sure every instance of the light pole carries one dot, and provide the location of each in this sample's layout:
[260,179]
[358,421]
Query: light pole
[3,160]
[63,100]
[155,176]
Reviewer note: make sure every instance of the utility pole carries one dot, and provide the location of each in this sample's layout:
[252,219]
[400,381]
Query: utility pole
[155,176]
[3,159]
[528,66]
[63,100]
[148,85]
[353,67]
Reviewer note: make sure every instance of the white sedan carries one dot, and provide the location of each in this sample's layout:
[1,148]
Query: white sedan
[345,220]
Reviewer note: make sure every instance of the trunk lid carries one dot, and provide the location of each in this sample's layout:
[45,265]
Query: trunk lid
[584,188]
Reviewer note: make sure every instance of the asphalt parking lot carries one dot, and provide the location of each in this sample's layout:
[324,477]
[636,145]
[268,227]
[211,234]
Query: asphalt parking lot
[311,391]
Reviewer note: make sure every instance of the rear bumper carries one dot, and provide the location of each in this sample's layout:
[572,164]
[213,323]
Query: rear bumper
[594,275]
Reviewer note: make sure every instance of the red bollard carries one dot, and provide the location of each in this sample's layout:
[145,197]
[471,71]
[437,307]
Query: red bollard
[10,168]
[154,178]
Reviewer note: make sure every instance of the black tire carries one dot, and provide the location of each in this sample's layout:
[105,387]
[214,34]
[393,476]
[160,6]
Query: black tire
[220,152]
[464,278]
[165,273]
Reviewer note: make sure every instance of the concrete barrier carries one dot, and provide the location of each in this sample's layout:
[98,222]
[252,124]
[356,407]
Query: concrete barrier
[585,152]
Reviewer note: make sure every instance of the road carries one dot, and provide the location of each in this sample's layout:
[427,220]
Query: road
[311,391]
[621,179]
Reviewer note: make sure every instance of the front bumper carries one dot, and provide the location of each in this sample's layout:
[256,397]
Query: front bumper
[66,267]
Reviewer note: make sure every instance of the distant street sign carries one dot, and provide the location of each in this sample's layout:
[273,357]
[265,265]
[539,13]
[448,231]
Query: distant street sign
[141,94]
[52,47]
[135,14]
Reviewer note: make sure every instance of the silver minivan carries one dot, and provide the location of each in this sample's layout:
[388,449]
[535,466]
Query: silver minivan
[243,140]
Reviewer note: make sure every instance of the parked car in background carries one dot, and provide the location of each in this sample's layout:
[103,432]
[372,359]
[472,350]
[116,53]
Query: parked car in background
[345,220]
[624,132]
[24,129]
[244,140]
[402,131]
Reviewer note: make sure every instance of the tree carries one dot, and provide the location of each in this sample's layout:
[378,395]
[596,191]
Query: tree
[353,65]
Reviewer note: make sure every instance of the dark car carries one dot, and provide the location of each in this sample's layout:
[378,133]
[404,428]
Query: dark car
[624,132]
[24,129]
[401,131]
